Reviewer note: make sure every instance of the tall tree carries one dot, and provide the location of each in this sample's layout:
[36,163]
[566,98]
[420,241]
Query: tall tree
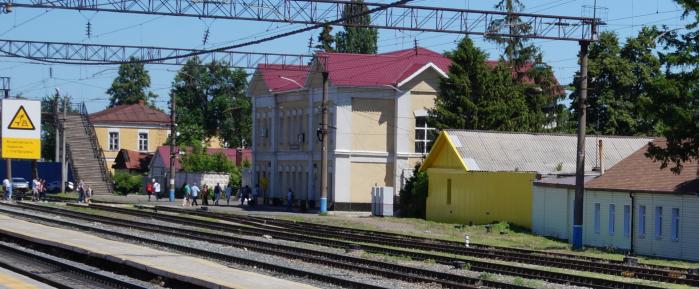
[211,101]
[476,96]
[131,85]
[326,41]
[355,38]
[677,96]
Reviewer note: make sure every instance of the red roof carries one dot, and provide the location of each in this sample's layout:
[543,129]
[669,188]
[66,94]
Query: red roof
[132,160]
[638,173]
[364,70]
[235,155]
[131,114]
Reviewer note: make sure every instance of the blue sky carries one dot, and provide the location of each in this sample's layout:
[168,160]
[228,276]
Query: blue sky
[89,83]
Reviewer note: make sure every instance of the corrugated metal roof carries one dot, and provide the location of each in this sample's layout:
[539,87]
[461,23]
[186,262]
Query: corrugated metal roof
[542,153]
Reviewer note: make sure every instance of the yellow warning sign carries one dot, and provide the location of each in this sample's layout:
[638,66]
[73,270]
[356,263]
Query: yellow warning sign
[21,120]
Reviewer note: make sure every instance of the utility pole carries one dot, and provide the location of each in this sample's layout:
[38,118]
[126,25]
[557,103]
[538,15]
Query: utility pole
[324,149]
[57,136]
[64,166]
[8,162]
[580,161]
[173,142]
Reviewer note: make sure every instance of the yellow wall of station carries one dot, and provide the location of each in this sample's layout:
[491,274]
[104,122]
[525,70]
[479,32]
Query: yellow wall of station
[480,197]
[373,124]
[365,176]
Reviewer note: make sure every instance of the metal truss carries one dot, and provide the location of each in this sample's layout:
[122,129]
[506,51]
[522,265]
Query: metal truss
[87,53]
[402,17]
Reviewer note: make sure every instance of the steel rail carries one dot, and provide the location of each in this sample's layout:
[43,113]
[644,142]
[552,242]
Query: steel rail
[58,267]
[213,255]
[596,266]
[385,269]
[475,265]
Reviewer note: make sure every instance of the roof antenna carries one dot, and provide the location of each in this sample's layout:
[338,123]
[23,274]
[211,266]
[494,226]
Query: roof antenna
[416,50]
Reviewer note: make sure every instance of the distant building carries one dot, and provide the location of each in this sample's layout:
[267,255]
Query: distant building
[132,161]
[480,177]
[377,112]
[160,163]
[134,127]
[634,204]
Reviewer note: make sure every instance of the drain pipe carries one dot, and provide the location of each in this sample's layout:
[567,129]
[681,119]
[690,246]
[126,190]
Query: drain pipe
[633,212]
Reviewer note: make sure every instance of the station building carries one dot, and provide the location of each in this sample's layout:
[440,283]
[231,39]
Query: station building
[481,177]
[134,127]
[635,206]
[377,112]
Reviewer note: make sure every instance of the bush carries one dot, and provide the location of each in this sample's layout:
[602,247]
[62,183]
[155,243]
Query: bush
[413,196]
[127,183]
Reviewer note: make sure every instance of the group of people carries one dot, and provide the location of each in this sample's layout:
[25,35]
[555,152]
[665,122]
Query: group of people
[84,193]
[38,189]
[193,193]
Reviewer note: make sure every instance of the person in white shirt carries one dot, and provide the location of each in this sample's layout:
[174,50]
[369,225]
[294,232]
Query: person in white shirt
[195,195]
[8,189]
[156,189]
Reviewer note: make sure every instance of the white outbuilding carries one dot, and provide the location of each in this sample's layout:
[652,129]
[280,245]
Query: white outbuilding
[634,206]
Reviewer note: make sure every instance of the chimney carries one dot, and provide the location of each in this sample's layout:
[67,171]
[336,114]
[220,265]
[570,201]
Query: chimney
[141,102]
[601,158]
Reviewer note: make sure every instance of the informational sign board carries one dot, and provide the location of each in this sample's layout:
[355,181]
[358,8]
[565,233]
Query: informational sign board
[21,129]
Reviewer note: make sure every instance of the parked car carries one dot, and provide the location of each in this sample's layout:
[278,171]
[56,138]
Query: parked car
[20,185]
[54,187]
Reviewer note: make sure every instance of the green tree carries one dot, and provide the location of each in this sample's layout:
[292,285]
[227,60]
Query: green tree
[48,128]
[475,96]
[131,85]
[211,101]
[620,78]
[413,196]
[326,41]
[356,39]
[676,98]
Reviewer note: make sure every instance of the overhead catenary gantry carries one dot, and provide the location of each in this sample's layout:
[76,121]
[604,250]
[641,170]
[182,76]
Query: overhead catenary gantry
[312,12]
[101,53]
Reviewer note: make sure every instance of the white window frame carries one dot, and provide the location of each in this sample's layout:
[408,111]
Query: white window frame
[658,222]
[641,221]
[424,131]
[627,221]
[597,218]
[611,228]
[109,139]
[138,139]
[675,224]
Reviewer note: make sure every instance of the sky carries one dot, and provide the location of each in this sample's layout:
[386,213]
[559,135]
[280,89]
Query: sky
[89,84]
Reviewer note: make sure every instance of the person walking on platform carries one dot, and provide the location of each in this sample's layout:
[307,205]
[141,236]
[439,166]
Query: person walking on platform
[35,189]
[156,189]
[205,195]
[217,193]
[42,190]
[229,191]
[289,199]
[88,195]
[195,194]
[81,191]
[7,185]
[149,189]
[187,195]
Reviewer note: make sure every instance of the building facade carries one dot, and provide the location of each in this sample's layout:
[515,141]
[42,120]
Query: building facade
[134,127]
[634,206]
[378,105]
[480,177]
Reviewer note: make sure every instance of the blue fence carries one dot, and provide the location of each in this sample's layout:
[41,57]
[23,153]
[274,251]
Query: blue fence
[50,171]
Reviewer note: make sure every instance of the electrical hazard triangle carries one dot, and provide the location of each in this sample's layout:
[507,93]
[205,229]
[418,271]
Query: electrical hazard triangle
[21,120]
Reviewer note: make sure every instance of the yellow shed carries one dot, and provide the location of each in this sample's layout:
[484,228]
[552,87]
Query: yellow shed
[480,177]
[458,194]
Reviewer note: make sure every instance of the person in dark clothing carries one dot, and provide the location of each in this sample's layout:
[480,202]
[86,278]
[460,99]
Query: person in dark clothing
[217,193]
[205,195]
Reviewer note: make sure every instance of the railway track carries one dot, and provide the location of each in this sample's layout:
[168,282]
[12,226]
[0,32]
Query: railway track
[565,261]
[56,272]
[474,265]
[383,269]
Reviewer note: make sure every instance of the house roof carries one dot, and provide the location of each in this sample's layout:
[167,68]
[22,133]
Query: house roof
[280,77]
[639,173]
[163,153]
[133,160]
[542,153]
[136,113]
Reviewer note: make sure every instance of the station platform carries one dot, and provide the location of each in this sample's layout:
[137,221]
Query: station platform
[12,280]
[171,265]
